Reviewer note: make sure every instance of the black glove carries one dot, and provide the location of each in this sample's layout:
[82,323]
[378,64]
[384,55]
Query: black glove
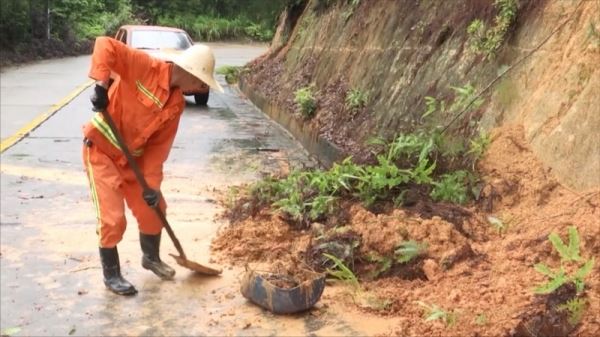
[99,98]
[152,197]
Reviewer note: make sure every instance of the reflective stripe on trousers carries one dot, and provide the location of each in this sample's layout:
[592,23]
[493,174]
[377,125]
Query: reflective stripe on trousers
[110,187]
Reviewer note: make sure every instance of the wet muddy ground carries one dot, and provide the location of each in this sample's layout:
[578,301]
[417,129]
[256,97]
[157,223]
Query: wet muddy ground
[51,281]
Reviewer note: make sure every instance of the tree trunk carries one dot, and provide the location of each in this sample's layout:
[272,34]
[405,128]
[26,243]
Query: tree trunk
[48,20]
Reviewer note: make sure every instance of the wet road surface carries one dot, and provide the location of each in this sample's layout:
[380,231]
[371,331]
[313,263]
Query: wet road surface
[51,280]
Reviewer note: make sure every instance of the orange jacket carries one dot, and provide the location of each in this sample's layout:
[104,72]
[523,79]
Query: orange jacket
[145,109]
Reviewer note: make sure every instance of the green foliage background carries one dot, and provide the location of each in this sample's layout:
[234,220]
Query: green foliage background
[24,22]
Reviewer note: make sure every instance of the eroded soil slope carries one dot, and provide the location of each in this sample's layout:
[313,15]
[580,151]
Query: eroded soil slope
[398,60]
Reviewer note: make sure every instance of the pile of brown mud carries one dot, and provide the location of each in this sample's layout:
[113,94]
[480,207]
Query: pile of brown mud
[482,275]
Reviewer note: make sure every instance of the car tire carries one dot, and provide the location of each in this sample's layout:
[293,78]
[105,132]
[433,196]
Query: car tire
[201,99]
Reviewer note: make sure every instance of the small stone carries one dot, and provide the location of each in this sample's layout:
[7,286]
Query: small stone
[430,268]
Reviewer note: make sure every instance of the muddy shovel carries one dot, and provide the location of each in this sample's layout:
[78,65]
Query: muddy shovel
[147,191]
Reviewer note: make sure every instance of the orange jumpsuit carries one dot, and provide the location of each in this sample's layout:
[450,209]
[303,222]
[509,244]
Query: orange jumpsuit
[146,112]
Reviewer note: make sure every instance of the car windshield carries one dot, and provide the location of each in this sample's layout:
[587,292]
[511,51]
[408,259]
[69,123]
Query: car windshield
[157,39]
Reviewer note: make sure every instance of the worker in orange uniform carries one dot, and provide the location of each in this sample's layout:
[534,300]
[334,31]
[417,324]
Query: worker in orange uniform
[146,102]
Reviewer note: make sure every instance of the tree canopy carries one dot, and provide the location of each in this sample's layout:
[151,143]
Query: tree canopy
[23,21]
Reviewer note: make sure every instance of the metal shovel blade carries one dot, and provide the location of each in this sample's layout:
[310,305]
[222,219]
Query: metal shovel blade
[196,266]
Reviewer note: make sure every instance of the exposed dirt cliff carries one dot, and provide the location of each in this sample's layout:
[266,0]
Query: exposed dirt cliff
[400,52]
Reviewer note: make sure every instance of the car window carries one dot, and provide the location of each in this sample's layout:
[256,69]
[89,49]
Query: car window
[156,39]
[122,35]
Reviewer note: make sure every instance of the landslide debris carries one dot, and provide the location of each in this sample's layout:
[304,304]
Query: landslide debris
[477,271]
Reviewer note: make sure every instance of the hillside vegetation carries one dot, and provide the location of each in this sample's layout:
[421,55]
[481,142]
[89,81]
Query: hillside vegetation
[37,29]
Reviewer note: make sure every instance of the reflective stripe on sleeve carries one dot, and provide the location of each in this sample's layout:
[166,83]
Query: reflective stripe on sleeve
[104,128]
[100,124]
[148,94]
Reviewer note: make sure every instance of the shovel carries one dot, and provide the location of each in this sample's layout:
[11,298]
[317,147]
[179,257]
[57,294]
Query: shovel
[146,190]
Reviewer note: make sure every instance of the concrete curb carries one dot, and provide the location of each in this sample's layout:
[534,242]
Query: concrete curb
[324,151]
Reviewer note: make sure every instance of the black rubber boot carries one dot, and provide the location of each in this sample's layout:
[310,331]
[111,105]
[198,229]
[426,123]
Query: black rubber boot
[151,259]
[112,273]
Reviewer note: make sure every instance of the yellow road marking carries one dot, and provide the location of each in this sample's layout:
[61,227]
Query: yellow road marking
[37,121]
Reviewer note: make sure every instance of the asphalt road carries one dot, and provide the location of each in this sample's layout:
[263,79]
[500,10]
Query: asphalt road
[51,281]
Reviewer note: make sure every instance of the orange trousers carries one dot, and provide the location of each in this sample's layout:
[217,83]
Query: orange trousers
[111,186]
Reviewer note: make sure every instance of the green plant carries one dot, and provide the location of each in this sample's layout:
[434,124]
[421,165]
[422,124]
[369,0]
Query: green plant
[341,271]
[258,32]
[408,159]
[210,28]
[362,298]
[476,27]
[431,104]
[308,195]
[320,206]
[450,147]
[557,279]
[434,312]
[408,250]
[463,96]
[305,99]
[231,73]
[575,307]
[415,146]
[486,40]
[384,263]
[267,190]
[205,27]
[451,188]
[344,175]
[322,182]
[378,180]
[478,145]
[356,99]
[292,205]
[290,198]
[569,254]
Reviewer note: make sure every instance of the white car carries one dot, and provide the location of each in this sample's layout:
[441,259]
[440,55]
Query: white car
[161,42]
